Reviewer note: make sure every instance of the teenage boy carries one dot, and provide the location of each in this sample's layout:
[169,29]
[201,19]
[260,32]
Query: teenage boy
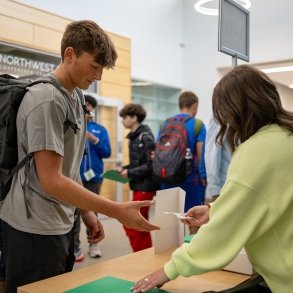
[38,212]
[139,170]
[194,183]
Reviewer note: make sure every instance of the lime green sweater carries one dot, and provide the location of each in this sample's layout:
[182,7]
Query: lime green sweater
[254,210]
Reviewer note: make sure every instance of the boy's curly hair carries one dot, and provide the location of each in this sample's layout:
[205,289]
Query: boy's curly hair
[133,110]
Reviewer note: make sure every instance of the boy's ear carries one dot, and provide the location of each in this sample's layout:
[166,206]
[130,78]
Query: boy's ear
[135,118]
[69,54]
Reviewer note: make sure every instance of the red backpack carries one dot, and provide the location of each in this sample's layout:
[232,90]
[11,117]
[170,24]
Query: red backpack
[172,157]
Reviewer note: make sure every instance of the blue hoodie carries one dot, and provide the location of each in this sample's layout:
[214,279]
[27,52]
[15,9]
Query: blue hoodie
[94,153]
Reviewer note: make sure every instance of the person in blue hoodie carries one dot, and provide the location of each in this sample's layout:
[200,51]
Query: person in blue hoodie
[92,167]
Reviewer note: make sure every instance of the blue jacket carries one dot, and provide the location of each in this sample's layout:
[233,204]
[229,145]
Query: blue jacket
[94,154]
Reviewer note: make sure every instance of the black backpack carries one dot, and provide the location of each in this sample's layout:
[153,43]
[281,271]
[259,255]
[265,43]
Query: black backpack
[12,91]
[173,157]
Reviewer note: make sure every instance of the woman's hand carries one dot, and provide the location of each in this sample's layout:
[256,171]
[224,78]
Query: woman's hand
[196,216]
[154,280]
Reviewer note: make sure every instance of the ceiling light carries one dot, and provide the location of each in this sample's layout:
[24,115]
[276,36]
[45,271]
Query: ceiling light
[277,69]
[141,83]
[198,6]
[290,86]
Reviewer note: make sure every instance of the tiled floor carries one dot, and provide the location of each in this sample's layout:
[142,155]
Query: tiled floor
[113,245]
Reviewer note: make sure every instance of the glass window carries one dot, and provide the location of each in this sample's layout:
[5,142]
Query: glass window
[160,102]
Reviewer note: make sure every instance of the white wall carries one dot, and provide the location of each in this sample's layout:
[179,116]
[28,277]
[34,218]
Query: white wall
[158,27]
[154,27]
[271,26]
[286,96]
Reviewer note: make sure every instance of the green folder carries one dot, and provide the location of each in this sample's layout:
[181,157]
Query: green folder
[108,285]
[114,175]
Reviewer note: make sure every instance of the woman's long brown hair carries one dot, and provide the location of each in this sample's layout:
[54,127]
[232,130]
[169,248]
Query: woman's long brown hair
[245,100]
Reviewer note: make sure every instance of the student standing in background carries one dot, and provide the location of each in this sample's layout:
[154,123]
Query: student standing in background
[194,184]
[97,148]
[139,169]
[217,160]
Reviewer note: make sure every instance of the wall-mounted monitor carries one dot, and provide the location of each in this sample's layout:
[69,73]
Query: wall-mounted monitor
[233,35]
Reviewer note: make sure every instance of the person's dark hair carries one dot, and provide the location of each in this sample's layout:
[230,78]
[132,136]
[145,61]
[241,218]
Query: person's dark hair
[87,36]
[133,110]
[187,99]
[91,100]
[245,100]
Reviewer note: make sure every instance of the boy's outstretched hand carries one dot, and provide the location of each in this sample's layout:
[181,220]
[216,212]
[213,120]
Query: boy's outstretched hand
[130,216]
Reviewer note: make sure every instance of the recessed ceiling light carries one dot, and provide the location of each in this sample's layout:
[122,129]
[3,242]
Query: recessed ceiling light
[141,83]
[277,69]
[198,6]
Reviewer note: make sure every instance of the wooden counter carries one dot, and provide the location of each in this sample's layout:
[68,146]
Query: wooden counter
[132,267]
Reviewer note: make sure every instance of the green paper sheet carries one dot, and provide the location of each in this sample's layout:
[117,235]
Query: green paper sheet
[114,175]
[108,284]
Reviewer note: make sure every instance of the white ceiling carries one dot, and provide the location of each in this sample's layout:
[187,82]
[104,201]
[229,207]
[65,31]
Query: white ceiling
[267,17]
[284,78]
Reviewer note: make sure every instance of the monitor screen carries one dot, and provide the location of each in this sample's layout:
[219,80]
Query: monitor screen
[233,29]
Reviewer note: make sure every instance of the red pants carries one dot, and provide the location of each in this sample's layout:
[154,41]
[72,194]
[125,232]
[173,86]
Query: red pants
[140,240]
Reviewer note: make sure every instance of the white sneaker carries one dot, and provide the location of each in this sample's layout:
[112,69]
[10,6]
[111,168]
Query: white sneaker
[94,250]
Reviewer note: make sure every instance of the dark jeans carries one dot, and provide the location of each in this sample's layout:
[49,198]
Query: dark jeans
[33,257]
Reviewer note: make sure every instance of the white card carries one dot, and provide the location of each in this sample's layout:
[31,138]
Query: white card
[89,174]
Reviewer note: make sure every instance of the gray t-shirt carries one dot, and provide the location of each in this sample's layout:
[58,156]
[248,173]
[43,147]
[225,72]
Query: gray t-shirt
[40,126]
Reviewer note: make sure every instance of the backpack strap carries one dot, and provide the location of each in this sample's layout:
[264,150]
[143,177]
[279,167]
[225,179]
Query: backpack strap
[197,126]
[187,118]
[142,134]
[48,79]
[28,157]
[17,168]
[67,123]
[82,101]
[179,118]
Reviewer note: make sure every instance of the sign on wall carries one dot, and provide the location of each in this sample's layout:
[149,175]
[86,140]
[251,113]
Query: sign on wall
[26,63]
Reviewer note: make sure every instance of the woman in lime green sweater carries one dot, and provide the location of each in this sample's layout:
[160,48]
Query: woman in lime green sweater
[255,206]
